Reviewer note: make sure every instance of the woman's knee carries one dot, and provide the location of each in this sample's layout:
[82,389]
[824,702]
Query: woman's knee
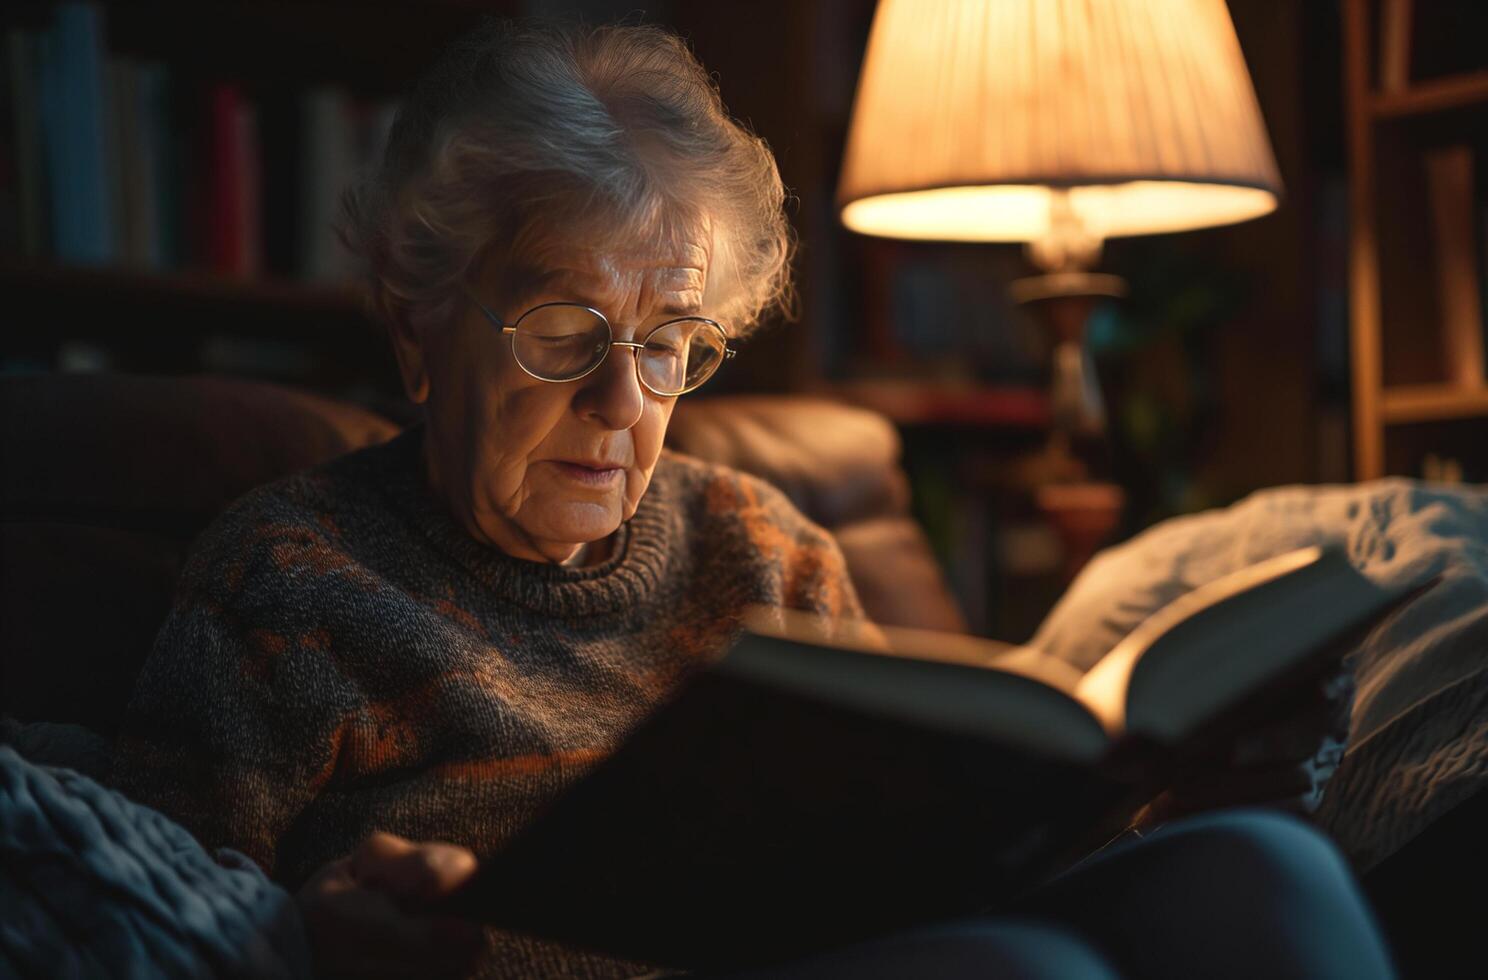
[1256,848]
[1241,893]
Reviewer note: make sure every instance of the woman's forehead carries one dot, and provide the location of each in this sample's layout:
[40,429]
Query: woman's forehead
[676,277]
[680,268]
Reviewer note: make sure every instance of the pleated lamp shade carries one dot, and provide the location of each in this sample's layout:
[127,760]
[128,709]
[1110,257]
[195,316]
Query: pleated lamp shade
[971,116]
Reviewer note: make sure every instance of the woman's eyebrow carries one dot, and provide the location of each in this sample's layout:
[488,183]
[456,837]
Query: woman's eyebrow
[675,308]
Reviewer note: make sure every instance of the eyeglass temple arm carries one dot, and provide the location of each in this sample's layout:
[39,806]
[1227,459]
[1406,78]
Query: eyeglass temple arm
[495,320]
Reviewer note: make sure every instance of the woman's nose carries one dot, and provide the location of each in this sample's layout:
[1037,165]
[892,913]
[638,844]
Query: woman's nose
[613,395]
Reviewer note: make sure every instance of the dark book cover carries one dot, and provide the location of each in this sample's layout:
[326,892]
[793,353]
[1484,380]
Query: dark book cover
[805,790]
[778,835]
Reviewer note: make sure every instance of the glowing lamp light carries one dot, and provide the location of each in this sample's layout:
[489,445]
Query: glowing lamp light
[1059,123]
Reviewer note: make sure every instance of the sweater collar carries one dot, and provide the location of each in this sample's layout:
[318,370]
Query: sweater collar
[630,575]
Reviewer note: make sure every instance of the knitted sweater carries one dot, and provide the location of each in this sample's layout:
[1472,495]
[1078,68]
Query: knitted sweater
[342,657]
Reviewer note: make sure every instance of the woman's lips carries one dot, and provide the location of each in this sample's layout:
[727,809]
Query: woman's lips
[589,476]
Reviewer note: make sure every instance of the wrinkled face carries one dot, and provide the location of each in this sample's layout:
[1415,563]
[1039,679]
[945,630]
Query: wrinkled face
[536,468]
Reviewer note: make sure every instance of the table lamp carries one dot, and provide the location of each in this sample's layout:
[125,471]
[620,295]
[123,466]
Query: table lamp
[1059,124]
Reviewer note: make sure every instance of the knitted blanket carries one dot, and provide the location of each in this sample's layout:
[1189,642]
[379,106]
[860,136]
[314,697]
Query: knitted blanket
[342,657]
[1418,741]
[94,885]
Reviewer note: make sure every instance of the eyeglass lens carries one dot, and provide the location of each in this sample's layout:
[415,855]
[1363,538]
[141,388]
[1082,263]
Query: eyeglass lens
[561,342]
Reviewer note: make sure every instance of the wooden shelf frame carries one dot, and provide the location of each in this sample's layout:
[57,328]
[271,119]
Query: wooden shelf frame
[1427,403]
[1374,405]
[267,294]
[1364,288]
[1435,95]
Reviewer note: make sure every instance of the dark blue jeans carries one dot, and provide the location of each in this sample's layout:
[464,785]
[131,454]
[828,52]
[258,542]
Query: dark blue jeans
[1242,894]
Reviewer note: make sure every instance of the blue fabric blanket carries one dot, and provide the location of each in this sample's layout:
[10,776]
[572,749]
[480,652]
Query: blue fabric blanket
[96,886]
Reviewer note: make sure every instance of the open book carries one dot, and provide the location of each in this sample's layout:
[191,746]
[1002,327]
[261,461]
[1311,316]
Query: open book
[799,793]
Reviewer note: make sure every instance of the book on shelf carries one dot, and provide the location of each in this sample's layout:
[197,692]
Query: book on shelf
[24,190]
[74,135]
[114,159]
[803,790]
[235,178]
[132,209]
[329,159]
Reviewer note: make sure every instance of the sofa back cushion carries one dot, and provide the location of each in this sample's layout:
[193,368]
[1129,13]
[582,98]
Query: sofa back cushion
[106,481]
[840,467]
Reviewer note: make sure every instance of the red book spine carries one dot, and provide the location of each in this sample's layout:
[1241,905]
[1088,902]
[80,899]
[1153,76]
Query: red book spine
[225,202]
[250,191]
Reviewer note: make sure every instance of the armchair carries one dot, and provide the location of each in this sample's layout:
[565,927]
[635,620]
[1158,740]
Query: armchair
[107,479]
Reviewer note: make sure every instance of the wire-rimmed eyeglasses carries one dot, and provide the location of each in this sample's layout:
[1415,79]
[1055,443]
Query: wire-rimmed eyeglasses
[565,341]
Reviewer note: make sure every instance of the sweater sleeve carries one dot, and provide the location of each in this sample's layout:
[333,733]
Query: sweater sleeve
[798,559]
[235,722]
[816,578]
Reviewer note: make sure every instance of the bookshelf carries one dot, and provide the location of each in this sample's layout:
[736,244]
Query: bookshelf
[927,336]
[1417,271]
[177,217]
[341,300]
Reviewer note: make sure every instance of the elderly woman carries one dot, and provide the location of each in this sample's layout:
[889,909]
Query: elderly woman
[430,639]
[436,636]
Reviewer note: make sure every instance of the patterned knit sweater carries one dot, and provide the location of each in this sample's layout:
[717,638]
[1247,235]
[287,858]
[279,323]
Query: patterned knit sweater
[342,657]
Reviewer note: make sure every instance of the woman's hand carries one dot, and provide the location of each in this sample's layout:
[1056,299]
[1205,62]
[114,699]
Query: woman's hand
[1284,763]
[362,912]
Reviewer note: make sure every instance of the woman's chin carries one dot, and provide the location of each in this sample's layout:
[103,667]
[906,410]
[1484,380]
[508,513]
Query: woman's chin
[572,524]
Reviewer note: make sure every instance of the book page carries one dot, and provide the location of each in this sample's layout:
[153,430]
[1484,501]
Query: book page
[942,680]
[1184,629]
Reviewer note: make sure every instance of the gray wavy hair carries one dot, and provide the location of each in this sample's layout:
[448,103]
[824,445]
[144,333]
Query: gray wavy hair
[524,137]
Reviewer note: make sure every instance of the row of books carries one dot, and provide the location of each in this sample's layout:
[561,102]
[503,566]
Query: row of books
[114,160]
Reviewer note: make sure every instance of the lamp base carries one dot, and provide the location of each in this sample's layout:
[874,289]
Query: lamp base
[1066,285]
[1063,302]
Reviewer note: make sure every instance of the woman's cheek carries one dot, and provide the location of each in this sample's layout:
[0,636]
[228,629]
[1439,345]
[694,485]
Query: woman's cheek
[503,481]
[512,426]
[636,483]
[648,437]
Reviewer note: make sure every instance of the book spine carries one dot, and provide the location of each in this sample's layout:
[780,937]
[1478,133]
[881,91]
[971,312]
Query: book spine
[10,232]
[195,137]
[73,119]
[129,163]
[25,137]
[224,211]
[113,159]
[172,171]
[330,161]
[149,143]
[249,191]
